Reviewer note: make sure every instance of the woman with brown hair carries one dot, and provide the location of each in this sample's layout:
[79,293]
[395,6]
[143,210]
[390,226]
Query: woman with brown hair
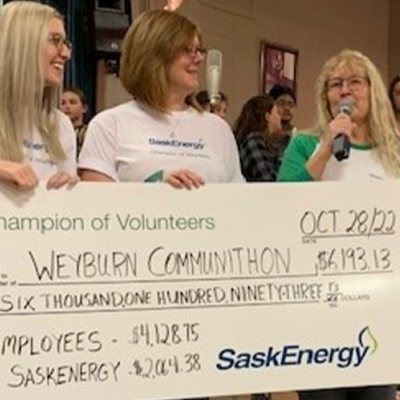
[162,134]
[74,105]
[260,138]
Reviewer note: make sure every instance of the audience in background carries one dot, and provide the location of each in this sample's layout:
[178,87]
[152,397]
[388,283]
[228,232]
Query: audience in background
[221,108]
[394,95]
[74,105]
[36,139]
[163,134]
[286,103]
[260,139]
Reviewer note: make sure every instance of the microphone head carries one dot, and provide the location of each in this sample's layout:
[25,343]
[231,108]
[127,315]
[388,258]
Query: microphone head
[346,106]
[214,58]
[214,72]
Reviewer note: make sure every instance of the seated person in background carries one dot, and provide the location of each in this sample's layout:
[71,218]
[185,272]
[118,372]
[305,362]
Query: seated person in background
[286,103]
[74,105]
[221,108]
[260,139]
[394,95]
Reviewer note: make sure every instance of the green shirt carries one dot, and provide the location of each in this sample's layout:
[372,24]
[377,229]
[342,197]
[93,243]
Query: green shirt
[300,149]
[362,163]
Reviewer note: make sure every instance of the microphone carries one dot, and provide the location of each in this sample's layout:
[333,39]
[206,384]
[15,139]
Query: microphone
[341,144]
[214,72]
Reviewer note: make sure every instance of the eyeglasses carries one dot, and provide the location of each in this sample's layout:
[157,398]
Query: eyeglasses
[59,42]
[354,83]
[284,103]
[194,50]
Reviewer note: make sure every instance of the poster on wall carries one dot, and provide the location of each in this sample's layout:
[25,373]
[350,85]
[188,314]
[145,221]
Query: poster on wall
[278,66]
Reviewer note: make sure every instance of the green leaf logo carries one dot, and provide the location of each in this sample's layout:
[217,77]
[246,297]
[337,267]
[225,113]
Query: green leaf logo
[367,339]
[156,177]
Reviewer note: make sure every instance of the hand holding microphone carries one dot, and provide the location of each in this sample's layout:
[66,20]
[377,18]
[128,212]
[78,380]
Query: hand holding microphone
[341,128]
[336,141]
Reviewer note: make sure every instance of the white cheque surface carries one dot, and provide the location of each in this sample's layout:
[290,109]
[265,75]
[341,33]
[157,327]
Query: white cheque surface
[124,291]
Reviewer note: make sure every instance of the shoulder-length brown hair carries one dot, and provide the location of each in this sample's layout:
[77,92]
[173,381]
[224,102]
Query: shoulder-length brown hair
[150,46]
[252,118]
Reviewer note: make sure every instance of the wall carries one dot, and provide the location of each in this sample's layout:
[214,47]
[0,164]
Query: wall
[317,28]
[394,39]
[109,89]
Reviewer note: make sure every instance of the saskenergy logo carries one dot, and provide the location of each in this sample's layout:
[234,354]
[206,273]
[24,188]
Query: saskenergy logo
[289,355]
[177,143]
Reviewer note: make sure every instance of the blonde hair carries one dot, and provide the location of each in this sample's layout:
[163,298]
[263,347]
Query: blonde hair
[150,46]
[25,102]
[382,126]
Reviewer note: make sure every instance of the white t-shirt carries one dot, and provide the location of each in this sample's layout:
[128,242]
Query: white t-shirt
[362,164]
[36,153]
[130,143]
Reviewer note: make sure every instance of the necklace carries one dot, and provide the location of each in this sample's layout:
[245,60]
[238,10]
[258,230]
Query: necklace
[170,127]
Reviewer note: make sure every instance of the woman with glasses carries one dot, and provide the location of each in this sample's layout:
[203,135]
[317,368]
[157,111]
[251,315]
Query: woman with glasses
[36,140]
[162,134]
[371,128]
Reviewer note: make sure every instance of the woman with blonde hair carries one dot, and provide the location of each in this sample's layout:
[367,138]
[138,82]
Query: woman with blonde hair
[162,134]
[36,140]
[348,78]
[371,126]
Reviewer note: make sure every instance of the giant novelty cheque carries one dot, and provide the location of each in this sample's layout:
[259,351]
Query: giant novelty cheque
[129,291]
